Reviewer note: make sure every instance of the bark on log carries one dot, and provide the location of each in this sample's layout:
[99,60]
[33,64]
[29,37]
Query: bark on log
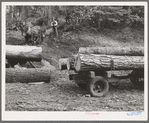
[24,53]
[131,51]
[95,62]
[63,63]
[27,75]
[71,62]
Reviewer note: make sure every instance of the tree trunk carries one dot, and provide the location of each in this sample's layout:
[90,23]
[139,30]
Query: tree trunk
[25,53]
[94,62]
[27,75]
[49,15]
[24,12]
[131,51]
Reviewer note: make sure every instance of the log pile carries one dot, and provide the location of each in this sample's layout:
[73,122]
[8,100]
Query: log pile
[109,58]
[106,58]
[21,64]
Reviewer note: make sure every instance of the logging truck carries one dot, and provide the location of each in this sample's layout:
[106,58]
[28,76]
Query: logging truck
[92,70]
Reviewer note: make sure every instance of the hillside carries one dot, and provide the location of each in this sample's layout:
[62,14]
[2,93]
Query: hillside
[68,43]
[61,94]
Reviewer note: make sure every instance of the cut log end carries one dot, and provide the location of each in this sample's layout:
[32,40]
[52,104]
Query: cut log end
[63,63]
[68,64]
[71,62]
[78,63]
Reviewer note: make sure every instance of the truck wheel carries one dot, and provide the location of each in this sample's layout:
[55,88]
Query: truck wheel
[137,77]
[98,86]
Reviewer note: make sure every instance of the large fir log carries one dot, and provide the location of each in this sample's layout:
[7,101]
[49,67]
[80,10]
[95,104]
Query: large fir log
[95,62]
[24,53]
[130,51]
[24,75]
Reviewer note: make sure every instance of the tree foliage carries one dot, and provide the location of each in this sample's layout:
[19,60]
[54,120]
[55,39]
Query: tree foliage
[82,17]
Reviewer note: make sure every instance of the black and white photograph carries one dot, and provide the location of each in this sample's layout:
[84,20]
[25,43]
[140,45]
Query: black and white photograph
[80,61]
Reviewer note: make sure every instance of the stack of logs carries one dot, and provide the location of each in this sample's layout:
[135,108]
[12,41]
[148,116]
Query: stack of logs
[17,58]
[104,58]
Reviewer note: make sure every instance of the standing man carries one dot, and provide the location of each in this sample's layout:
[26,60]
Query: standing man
[54,24]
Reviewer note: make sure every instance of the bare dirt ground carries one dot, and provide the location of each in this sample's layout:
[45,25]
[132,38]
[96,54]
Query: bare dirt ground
[61,94]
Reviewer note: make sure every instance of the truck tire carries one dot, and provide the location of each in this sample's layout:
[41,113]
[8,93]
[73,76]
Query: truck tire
[98,86]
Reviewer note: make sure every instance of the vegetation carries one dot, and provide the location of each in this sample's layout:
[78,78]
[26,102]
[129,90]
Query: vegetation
[81,17]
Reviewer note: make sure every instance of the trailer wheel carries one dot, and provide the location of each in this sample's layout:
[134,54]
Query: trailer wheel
[98,86]
[137,77]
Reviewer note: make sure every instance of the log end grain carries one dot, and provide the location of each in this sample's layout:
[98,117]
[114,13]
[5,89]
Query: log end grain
[63,63]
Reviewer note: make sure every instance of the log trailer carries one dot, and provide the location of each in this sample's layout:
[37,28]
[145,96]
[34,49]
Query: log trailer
[92,71]
[96,82]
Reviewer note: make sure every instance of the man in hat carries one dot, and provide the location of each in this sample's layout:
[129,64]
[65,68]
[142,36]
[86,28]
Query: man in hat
[54,24]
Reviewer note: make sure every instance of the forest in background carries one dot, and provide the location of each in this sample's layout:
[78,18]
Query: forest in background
[82,18]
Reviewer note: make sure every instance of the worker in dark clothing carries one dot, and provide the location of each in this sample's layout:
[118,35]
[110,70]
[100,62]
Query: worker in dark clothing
[54,24]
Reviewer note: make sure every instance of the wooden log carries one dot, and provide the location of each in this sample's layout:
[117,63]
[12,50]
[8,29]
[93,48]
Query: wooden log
[27,75]
[95,62]
[131,51]
[71,62]
[63,63]
[24,53]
